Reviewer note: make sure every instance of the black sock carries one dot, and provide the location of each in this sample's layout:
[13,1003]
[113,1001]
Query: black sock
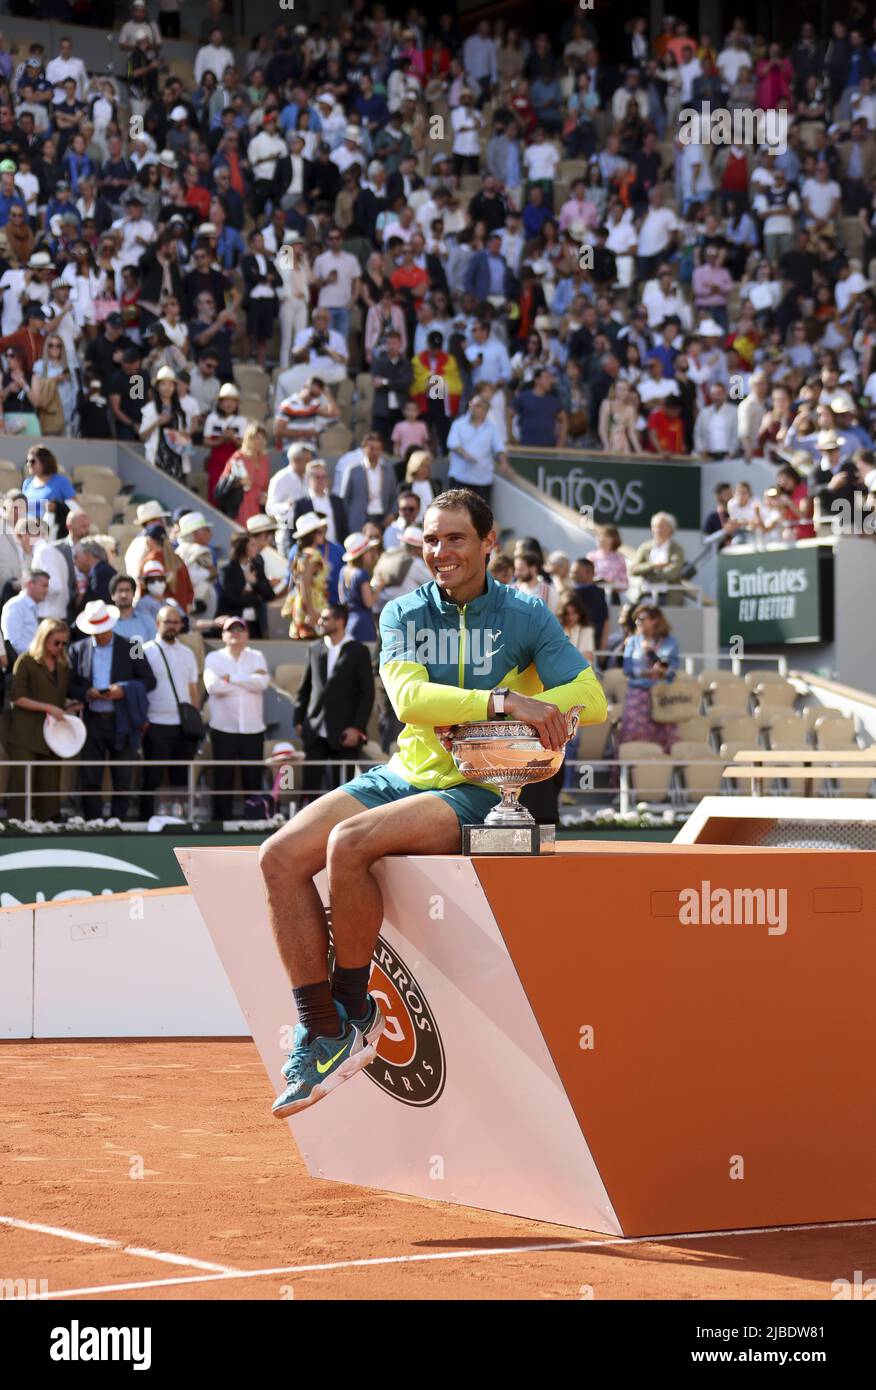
[316,1010]
[350,987]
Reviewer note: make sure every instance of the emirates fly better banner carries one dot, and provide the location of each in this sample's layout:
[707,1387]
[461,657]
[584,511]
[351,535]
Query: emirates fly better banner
[773,596]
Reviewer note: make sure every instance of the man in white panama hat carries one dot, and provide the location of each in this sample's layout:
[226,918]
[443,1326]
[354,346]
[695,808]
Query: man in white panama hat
[263,529]
[112,678]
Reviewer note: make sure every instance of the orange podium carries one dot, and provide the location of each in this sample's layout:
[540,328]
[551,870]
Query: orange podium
[638,1039]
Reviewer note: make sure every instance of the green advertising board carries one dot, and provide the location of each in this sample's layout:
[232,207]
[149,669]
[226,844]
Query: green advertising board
[771,597]
[618,491]
[52,867]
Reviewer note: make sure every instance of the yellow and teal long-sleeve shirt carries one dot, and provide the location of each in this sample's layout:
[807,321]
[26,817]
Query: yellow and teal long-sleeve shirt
[439,663]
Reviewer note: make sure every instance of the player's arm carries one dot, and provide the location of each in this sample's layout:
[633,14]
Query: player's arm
[568,681]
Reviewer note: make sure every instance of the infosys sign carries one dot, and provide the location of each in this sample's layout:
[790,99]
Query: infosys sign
[615,491]
[777,596]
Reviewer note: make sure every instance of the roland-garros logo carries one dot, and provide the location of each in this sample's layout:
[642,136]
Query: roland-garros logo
[410,1054]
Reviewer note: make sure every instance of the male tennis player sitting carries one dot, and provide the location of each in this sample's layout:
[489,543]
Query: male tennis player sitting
[460,648]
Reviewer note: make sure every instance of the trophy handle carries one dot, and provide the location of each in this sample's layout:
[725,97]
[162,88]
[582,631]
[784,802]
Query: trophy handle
[573,718]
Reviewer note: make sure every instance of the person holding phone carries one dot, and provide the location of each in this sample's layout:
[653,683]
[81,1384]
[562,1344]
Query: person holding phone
[650,655]
[111,677]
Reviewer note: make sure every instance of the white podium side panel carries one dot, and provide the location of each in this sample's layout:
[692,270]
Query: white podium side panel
[464,1103]
[130,965]
[16,973]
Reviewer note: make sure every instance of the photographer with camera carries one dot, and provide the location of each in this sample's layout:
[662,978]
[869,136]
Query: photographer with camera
[317,351]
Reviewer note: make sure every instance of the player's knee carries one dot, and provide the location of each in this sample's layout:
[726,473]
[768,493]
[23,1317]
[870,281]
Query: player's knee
[346,840]
[281,859]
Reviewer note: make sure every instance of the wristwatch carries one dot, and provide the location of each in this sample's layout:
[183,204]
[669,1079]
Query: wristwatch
[500,694]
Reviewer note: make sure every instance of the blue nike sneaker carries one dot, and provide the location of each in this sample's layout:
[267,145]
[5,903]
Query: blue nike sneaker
[318,1065]
[371,1025]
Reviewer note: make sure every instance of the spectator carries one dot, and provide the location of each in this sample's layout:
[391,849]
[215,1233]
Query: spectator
[40,682]
[135,624]
[176,682]
[305,414]
[660,561]
[316,351]
[289,485]
[354,587]
[408,513]
[90,559]
[716,432]
[336,277]
[528,579]
[317,498]
[244,589]
[263,529]
[21,615]
[309,572]
[541,420]
[163,426]
[476,452]
[249,464]
[650,655]
[577,625]
[111,679]
[392,375]
[609,565]
[224,428]
[335,699]
[235,680]
[368,489]
[47,490]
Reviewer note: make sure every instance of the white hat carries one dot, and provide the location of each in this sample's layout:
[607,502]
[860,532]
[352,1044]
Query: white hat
[829,439]
[179,113]
[352,132]
[708,328]
[168,159]
[40,260]
[259,523]
[356,544]
[290,238]
[283,751]
[295,449]
[207,229]
[97,617]
[192,521]
[164,373]
[150,511]
[413,535]
[66,736]
[228,389]
[325,99]
[870,480]
[308,523]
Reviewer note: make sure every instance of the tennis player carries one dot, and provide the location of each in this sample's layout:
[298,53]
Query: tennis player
[459,648]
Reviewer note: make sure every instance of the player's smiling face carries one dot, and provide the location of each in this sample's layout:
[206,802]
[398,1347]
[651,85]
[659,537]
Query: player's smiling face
[454,553]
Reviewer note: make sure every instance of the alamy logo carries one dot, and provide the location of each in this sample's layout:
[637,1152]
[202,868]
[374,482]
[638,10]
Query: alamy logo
[744,126]
[706,906]
[444,647]
[76,1343]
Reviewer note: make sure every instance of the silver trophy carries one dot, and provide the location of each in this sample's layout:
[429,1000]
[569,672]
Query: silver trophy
[507,754]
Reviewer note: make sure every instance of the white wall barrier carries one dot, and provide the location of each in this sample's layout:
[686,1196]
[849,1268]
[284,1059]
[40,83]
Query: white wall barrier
[125,965]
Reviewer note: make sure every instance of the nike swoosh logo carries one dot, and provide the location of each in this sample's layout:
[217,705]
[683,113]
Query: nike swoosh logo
[323,1067]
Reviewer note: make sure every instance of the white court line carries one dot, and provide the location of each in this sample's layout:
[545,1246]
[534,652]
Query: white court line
[596,1243]
[138,1250]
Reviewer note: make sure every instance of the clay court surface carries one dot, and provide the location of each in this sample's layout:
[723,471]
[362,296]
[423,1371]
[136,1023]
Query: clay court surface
[224,1192]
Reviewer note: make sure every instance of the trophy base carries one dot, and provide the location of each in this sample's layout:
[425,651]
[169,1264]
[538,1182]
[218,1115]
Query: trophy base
[508,839]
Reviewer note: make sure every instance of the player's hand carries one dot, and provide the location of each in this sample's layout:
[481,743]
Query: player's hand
[545,718]
[445,734]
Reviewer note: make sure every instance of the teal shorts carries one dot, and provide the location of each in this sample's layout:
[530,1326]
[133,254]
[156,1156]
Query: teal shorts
[378,787]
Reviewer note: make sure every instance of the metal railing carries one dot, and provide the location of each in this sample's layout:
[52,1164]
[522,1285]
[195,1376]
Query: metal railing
[346,768]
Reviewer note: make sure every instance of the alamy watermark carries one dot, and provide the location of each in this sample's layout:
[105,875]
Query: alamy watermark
[708,125]
[443,648]
[706,906]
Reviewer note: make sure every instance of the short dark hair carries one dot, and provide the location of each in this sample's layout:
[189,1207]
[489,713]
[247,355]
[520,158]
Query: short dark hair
[340,610]
[529,557]
[463,499]
[118,579]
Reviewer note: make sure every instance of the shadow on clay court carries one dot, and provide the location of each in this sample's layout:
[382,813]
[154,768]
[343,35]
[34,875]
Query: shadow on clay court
[820,1255]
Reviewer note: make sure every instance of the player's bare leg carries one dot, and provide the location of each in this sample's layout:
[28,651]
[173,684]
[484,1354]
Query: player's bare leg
[289,861]
[417,825]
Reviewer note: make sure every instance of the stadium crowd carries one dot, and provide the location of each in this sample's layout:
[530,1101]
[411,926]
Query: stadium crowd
[449,243]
